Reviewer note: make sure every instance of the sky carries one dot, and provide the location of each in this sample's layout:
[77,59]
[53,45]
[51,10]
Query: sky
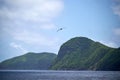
[31,25]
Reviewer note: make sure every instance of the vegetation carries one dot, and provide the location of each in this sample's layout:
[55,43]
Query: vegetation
[29,61]
[81,53]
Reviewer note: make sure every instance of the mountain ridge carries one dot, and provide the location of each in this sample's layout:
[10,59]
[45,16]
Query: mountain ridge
[29,60]
[78,53]
[81,53]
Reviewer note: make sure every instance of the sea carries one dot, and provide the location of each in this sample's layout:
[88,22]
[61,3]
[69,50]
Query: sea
[58,75]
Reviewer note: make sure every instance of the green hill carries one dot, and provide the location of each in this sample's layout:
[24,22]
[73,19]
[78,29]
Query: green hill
[110,61]
[81,53]
[29,61]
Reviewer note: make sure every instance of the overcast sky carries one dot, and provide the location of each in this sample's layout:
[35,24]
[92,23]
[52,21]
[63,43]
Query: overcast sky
[31,25]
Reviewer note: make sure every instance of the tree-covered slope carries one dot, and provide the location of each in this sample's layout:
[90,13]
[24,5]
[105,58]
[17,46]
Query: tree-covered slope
[29,61]
[81,53]
[110,61]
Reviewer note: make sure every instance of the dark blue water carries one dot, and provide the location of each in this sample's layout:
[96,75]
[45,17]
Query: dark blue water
[58,75]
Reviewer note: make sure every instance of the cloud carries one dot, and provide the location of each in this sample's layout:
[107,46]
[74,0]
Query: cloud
[36,12]
[117,31]
[31,10]
[116,36]
[48,26]
[114,40]
[34,38]
[25,14]
[19,47]
[30,21]
[116,7]
[110,44]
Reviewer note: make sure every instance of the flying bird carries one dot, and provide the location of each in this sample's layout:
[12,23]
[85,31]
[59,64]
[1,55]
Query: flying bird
[60,29]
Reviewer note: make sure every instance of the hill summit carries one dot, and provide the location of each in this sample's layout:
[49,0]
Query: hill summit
[81,53]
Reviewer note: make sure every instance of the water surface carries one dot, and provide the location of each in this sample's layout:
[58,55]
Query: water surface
[58,75]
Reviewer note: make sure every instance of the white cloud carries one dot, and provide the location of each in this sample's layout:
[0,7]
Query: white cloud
[110,44]
[19,47]
[34,38]
[116,7]
[114,39]
[117,31]
[48,26]
[117,10]
[29,23]
[36,12]
[31,10]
